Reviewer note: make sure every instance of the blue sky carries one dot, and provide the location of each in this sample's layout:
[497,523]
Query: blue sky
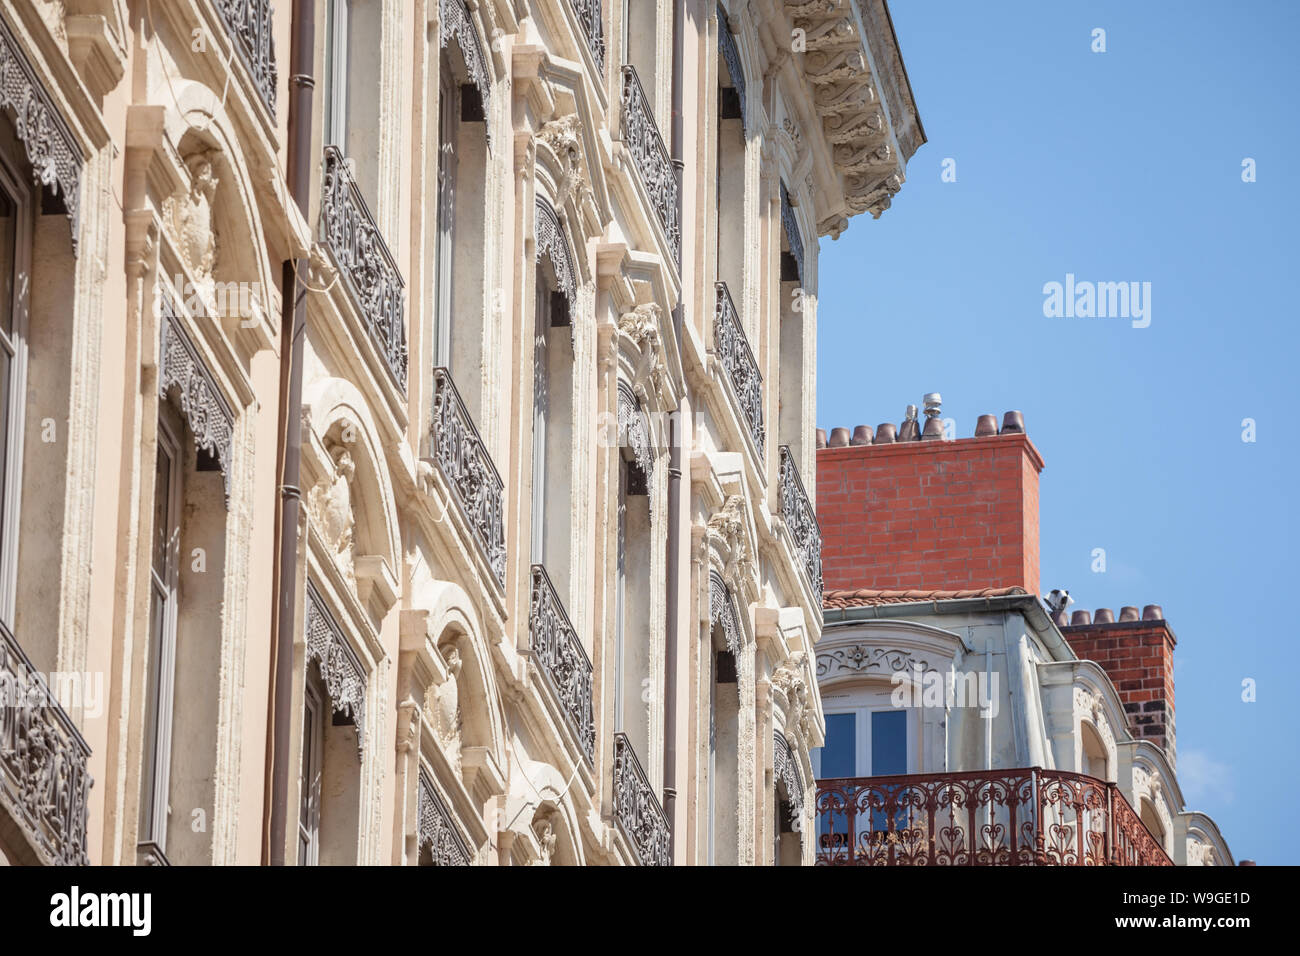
[1116,166]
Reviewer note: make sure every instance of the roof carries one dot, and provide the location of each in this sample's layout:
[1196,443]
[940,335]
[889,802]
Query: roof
[869,597]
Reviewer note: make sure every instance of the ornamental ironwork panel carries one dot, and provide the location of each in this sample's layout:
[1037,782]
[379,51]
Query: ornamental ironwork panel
[785,767]
[1021,817]
[742,368]
[466,466]
[44,781]
[650,156]
[552,244]
[791,226]
[340,667]
[179,365]
[369,270]
[800,520]
[456,25]
[249,24]
[561,657]
[54,153]
[722,610]
[634,430]
[593,28]
[637,810]
[731,56]
[434,828]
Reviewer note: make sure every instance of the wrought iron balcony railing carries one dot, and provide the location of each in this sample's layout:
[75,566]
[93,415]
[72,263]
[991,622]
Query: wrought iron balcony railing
[368,269]
[650,155]
[468,470]
[593,28]
[801,520]
[738,359]
[44,781]
[561,657]
[249,24]
[1027,817]
[637,809]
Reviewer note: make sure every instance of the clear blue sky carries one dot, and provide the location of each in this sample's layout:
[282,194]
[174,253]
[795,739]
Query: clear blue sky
[1115,166]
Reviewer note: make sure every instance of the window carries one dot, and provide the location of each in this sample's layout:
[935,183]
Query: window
[730,196]
[353,36]
[552,433]
[309,791]
[15,239]
[640,34]
[724,767]
[795,350]
[1096,763]
[632,607]
[164,597]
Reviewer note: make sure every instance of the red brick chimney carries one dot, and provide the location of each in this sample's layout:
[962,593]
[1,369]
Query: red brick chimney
[1137,653]
[908,512]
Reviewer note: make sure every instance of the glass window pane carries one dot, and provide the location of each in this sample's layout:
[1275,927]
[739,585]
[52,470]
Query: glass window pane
[888,742]
[8,243]
[161,510]
[837,757]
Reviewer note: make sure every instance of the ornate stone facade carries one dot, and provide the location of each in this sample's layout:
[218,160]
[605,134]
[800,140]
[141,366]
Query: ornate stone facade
[532,446]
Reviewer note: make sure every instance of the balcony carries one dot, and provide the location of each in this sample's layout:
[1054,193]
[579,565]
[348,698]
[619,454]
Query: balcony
[467,468]
[593,29]
[249,24]
[738,359]
[1028,817]
[560,656]
[636,808]
[650,156]
[801,521]
[44,783]
[368,269]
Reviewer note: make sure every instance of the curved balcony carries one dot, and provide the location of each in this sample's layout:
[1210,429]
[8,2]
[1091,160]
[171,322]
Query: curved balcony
[560,656]
[1026,817]
[650,156]
[44,781]
[636,808]
[742,368]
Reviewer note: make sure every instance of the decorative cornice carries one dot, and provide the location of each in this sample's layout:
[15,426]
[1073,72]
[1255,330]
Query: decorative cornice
[52,150]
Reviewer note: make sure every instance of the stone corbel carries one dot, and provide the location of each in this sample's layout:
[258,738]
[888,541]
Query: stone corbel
[375,579]
[95,51]
[481,773]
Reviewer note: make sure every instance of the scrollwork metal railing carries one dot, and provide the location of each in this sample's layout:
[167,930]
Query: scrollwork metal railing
[561,657]
[1022,817]
[368,269]
[650,155]
[249,24]
[800,519]
[593,28]
[44,780]
[637,809]
[467,468]
[742,368]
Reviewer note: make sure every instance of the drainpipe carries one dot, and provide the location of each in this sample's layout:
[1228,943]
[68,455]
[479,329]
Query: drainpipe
[674,469]
[293,331]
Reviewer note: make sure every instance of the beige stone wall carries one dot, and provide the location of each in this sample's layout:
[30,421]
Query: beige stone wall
[419,632]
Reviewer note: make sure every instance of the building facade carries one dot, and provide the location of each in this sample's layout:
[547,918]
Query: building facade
[967,722]
[409,423]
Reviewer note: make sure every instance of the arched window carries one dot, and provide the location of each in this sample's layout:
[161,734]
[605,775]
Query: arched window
[788,799]
[1096,761]
[632,584]
[1151,818]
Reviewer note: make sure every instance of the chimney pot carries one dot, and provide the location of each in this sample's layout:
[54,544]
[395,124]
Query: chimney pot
[839,438]
[909,430]
[1104,615]
[1128,613]
[987,425]
[885,433]
[1080,618]
[821,438]
[1013,423]
[861,435]
[933,403]
[933,429]
[1061,618]
[1153,612]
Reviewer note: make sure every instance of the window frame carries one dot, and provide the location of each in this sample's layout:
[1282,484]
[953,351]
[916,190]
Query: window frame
[14,342]
[311,773]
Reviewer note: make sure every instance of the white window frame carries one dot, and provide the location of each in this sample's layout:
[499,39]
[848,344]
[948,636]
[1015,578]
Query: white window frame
[337,14]
[541,417]
[14,344]
[315,709]
[870,703]
[164,585]
[445,249]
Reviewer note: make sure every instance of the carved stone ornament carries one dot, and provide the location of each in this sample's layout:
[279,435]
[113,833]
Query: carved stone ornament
[563,136]
[552,244]
[864,657]
[443,705]
[210,419]
[190,216]
[785,767]
[340,667]
[722,611]
[728,528]
[434,828]
[634,430]
[52,150]
[330,506]
[457,26]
